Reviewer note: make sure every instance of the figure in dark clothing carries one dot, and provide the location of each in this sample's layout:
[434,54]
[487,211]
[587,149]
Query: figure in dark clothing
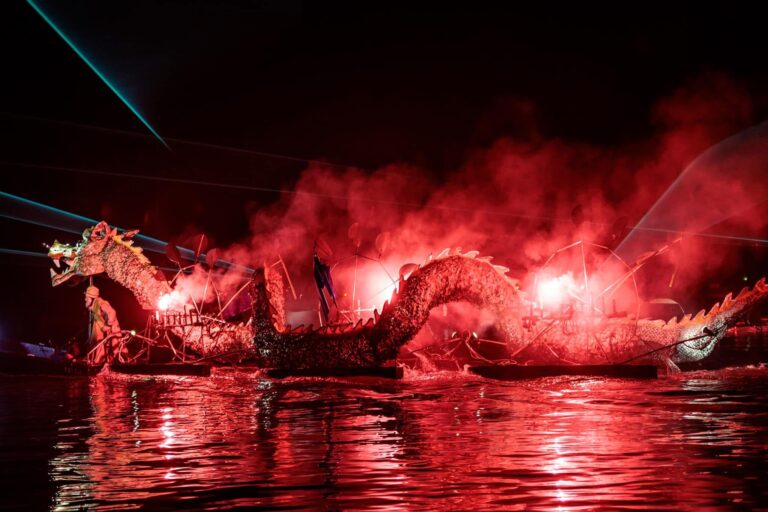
[323,280]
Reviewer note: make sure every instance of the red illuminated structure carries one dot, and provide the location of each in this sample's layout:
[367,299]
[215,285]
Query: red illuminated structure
[583,333]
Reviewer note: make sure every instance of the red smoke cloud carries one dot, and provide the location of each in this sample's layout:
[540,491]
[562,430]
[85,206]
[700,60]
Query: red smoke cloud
[519,199]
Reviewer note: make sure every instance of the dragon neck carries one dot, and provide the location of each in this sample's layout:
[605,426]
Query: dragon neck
[125,264]
[267,301]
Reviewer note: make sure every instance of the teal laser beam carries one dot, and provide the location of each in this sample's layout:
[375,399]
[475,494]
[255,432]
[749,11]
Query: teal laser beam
[44,255]
[19,252]
[98,73]
[25,210]
[31,212]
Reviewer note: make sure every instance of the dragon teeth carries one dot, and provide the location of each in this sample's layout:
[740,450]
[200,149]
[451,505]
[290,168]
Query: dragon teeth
[57,263]
[53,274]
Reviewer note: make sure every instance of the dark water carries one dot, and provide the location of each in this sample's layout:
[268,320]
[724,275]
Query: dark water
[444,441]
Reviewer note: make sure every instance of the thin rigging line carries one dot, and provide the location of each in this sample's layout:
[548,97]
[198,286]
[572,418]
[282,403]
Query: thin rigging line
[187,142]
[276,190]
[234,186]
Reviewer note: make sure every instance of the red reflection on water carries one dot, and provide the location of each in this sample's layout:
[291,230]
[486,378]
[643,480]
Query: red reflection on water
[459,443]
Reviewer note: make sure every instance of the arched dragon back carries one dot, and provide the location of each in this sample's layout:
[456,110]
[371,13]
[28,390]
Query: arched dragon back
[446,279]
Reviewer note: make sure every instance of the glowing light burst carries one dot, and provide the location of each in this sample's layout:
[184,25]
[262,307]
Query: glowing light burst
[376,288]
[554,291]
[171,300]
[98,73]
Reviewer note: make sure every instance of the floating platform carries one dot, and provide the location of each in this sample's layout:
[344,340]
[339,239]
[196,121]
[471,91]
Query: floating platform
[197,370]
[518,372]
[383,372]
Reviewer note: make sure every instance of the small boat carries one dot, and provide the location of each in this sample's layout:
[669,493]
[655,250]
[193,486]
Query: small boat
[36,359]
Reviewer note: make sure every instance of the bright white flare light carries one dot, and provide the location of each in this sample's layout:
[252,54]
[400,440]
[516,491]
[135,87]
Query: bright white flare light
[377,289]
[169,300]
[555,290]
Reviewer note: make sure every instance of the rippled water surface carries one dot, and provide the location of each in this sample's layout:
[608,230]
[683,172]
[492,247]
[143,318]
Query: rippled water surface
[440,441]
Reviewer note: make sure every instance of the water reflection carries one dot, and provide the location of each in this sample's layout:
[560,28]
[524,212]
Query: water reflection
[431,442]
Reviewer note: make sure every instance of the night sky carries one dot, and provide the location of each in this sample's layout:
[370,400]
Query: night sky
[362,85]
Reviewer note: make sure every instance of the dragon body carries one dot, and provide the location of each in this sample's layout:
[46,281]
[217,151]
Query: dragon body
[450,277]
[466,277]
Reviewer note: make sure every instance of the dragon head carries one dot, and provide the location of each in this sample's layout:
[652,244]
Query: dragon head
[81,260]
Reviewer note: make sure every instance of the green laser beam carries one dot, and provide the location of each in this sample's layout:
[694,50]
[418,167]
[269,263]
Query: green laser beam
[103,78]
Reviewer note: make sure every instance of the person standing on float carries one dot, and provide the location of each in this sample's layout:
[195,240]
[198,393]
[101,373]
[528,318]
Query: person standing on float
[102,323]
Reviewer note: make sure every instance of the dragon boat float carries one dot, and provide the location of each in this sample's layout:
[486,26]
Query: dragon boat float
[182,333]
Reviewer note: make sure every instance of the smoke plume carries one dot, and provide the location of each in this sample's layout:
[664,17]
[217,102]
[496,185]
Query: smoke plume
[520,199]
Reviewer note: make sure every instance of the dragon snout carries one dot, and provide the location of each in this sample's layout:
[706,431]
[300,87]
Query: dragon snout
[62,267]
